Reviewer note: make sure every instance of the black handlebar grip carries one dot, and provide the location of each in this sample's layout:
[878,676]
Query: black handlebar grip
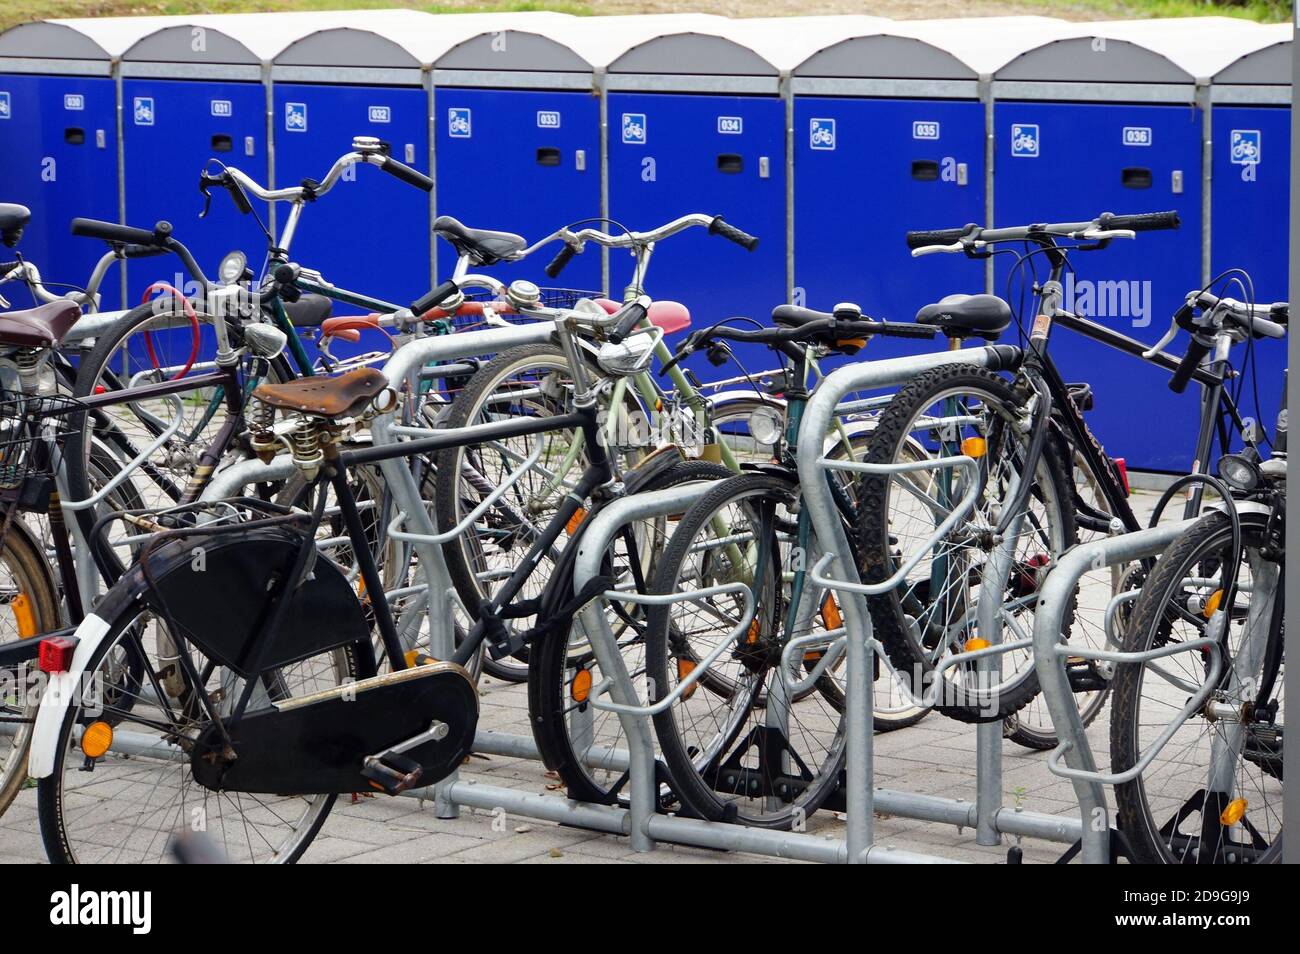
[1187,367]
[1280,311]
[112,232]
[1141,222]
[731,233]
[435,298]
[632,317]
[401,170]
[237,194]
[927,237]
[562,258]
[7,267]
[904,329]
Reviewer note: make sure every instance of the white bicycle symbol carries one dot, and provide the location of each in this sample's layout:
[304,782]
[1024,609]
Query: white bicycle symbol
[459,124]
[1025,143]
[1244,149]
[822,136]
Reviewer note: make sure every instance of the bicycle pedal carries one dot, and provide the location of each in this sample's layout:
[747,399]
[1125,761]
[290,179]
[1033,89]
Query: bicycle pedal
[392,772]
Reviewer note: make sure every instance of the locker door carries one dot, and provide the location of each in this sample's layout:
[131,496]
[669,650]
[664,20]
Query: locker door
[520,161]
[867,171]
[58,157]
[370,234]
[1063,162]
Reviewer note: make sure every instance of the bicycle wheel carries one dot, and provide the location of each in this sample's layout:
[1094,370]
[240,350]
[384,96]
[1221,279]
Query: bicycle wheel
[144,346]
[580,743]
[931,615]
[528,381]
[761,753]
[1213,794]
[29,606]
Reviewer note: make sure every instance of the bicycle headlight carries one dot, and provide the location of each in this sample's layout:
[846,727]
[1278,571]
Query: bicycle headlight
[765,426]
[232,267]
[630,356]
[1240,471]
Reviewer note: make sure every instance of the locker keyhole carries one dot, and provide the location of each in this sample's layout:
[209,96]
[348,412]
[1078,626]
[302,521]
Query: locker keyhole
[222,143]
[925,170]
[730,163]
[74,135]
[546,156]
[1136,177]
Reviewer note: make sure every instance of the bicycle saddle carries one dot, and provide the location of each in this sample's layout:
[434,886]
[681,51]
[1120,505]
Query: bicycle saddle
[482,246]
[966,316]
[13,218]
[41,327]
[308,311]
[343,396]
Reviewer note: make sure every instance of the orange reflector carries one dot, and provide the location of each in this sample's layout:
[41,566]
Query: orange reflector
[684,668]
[24,615]
[575,521]
[97,739]
[1234,812]
[973,644]
[580,689]
[831,613]
[414,658]
[1212,604]
[752,636]
[974,447]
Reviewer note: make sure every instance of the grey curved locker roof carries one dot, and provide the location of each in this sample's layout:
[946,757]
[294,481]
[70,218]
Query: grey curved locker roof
[1083,59]
[1270,66]
[51,41]
[514,50]
[346,47]
[692,53]
[885,55]
[176,45]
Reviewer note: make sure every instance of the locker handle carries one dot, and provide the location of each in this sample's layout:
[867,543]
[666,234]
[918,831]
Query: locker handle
[74,135]
[925,170]
[1136,177]
[547,156]
[222,143]
[730,163]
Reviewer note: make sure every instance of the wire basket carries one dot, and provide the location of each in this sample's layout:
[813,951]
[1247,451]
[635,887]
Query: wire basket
[550,298]
[31,427]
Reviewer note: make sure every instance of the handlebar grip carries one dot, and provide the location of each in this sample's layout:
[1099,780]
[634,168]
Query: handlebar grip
[903,329]
[732,234]
[1280,311]
[237,194]
[1141,222]
[794,315]
[1195,352]
[114,233]
[632,316]
[562,258]
[7,267]
[434,298]
[400,170]
[924,238]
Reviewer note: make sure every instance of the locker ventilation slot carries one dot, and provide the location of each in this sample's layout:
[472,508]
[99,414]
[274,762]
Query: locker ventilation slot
[925,170]
[1136,177]
[223,143]
[730,163]
[74,135]
[548,157]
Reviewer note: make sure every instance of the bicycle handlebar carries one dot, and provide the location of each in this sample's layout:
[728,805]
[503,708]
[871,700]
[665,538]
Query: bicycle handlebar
[1106,226]
[116,234]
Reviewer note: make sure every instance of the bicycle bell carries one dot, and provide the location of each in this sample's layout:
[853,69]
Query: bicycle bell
[523,294]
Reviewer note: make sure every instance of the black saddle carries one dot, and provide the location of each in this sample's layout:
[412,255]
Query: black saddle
[309,310]
[482,246]
[13,218]
[967,316]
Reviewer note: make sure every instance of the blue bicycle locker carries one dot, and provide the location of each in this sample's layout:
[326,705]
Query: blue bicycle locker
[1094,124]
[709,141]
[58,148]
[1251,137]
[193,97]
[371,232]
[518,146]
[888,136]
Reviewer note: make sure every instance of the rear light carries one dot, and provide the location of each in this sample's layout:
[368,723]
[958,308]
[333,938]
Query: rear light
[56,654]
[1122,467]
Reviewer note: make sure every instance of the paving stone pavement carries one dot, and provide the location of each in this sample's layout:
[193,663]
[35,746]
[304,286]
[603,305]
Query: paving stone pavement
[935,757]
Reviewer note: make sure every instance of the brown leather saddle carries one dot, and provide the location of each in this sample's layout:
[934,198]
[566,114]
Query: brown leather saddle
[41,327]
[344,396]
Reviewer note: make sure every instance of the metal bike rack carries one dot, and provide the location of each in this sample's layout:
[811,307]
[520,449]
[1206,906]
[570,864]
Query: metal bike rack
[1050,654]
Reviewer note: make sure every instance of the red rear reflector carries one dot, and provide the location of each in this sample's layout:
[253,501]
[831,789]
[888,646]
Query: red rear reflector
[56,653]
[1122,467]
[100,389]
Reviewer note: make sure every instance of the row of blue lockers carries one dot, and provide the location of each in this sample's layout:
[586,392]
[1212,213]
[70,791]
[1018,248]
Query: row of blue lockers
[853,172]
